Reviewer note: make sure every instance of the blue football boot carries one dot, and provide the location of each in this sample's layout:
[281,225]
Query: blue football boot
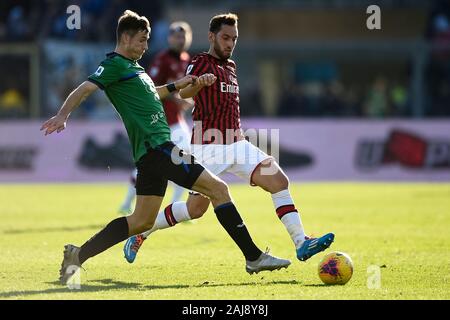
[132,246]
[312,246]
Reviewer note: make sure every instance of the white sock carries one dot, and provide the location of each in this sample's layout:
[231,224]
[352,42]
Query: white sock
[170,216]
[289,216]
[131,193]
[177,193]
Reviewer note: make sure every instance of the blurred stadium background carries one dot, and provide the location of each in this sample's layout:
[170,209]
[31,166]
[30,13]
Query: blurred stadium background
[374,102]
[350,104]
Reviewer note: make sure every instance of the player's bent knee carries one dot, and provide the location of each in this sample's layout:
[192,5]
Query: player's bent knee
[279,184]
[220,190]
[284,182]
[215,187]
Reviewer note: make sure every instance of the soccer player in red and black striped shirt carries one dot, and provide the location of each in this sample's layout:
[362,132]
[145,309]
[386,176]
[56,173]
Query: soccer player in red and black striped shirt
[218,142]
[217,106]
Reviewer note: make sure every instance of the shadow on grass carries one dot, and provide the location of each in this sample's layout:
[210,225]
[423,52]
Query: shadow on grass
[208,285]
[52,229]
[317,285]
[109,284]
[103,285]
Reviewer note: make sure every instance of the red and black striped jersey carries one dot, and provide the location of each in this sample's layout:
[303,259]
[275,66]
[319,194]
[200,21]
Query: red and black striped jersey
[217,106]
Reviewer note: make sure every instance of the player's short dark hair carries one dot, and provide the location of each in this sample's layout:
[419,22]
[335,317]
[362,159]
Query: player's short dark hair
[131,23]
[217,21]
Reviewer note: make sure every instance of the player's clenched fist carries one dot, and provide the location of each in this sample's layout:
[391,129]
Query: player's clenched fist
[185,81]
[206,79]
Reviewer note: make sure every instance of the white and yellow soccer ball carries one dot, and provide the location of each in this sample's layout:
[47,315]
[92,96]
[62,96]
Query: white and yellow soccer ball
[335,268]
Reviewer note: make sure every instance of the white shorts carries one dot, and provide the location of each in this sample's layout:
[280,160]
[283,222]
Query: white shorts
[240,158]
[179,134]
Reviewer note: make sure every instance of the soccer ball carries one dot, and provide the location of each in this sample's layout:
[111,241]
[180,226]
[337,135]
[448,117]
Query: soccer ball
[336,268]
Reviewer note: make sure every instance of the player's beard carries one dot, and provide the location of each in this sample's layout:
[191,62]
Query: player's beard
[220,53]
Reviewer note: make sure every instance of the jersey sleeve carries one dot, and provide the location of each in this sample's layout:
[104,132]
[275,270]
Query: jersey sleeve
[197,67]
[107,73]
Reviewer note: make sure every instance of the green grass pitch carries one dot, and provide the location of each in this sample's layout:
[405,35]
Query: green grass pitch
[402,229]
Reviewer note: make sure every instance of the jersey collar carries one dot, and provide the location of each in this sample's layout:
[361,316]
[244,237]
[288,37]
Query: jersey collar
[221,61]
[113,54]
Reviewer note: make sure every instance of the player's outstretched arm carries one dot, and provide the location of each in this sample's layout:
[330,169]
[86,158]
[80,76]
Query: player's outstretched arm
[165,90]
[204,80]
[75,98]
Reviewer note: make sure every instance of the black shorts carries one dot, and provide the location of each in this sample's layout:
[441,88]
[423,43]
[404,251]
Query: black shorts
[162,163]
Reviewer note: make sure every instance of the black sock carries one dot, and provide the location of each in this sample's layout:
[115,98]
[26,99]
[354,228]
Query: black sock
[115,232]
[230,219]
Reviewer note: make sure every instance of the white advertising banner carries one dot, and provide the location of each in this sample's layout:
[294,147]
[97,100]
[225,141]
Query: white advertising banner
[85,151]
[319,150]
[352,150]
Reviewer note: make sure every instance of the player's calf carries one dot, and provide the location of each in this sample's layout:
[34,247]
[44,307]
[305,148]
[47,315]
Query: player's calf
[197,205]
